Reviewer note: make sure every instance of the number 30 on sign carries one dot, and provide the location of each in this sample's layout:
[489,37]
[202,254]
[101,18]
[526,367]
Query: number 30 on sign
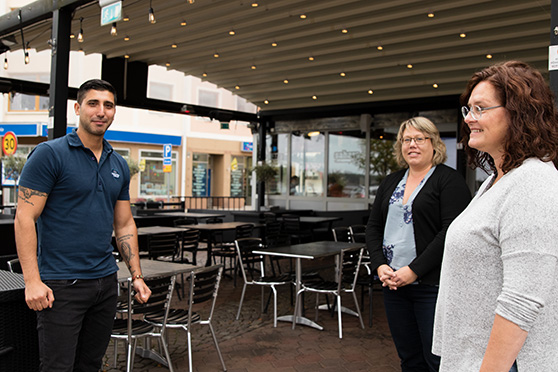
[9,143]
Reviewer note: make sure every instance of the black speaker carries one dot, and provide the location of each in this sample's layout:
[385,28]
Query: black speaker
[19,349]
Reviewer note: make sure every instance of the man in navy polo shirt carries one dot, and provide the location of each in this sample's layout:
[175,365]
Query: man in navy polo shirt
[76,188]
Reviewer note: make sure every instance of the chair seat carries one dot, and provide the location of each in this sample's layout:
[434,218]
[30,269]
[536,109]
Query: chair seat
[278,279]
[139,327]
[322,285]
[175,317]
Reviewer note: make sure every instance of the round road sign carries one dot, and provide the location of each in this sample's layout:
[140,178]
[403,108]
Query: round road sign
[9,143]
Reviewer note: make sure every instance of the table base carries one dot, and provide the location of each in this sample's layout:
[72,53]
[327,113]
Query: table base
[344,309]
[300,320]
[147,353]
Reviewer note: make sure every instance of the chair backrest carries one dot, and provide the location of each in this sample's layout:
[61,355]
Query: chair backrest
[204,285]
[185,221]
[273,235]
[350,264]
[269,217]
[214,220]
[14,266]
[291,223]
[190,240]
[358,233]
[247,259]
[341,234]
[161,295]
[162,245]
[244,231]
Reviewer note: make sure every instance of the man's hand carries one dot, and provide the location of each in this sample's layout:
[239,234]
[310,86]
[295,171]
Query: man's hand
[38,296]
[142,291]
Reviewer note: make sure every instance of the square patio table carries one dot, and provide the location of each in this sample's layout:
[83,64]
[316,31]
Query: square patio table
[210,228]
[308,251]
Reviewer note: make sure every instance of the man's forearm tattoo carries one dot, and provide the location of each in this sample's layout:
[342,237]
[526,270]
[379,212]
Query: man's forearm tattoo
[27,193]
[125,248]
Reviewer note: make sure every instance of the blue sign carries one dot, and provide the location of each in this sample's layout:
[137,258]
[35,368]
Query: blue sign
[247,146]
[111,13]
[167,154]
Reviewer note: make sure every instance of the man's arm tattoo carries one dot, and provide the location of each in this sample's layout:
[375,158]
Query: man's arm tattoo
[27,193]
[125,248]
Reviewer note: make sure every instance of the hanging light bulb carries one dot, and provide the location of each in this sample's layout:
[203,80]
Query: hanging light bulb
[5,63]
[151,14]
[191,1]
[27,54]
[113,31]
[80,35]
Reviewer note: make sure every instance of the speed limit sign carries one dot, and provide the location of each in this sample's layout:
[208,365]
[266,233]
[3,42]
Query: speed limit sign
[9,143]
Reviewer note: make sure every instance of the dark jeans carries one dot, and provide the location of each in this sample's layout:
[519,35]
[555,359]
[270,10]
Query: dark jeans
[410,313]
[75,332]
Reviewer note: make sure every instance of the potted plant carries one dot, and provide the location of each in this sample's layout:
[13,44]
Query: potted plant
[133,166]
[264,173]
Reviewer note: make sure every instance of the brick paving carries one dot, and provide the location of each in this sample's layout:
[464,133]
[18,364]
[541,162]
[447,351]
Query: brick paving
[252,344]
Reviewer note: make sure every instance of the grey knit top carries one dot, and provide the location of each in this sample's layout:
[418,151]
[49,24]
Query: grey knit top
[501,257]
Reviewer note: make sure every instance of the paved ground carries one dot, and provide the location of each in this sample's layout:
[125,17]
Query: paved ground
[252,344]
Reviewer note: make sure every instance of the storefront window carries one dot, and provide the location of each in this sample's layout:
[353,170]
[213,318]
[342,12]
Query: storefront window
[200,175]
[154,183]
[382,161]
[346,165]
[239,176]
[26,102]
[276,155]
[307,165]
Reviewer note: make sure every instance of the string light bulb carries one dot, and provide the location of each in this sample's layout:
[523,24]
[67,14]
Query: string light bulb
[191,1]
[80,35]
[27,54]
[151,15]
[113,31]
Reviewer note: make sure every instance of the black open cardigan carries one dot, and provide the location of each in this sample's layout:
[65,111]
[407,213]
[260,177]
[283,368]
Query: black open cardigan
[442,198]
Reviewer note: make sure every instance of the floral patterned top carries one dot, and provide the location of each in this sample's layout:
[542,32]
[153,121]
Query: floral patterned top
[399,235]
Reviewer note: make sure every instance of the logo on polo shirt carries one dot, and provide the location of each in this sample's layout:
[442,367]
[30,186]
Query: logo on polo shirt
[115,173]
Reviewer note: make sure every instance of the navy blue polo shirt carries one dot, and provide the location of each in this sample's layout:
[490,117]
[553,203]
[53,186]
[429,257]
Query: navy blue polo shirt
[75,227]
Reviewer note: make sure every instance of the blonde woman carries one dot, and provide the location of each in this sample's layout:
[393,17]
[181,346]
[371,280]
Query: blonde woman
[405,238]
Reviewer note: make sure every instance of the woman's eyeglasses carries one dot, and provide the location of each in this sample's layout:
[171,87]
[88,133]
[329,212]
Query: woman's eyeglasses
[418,140]
[475,111]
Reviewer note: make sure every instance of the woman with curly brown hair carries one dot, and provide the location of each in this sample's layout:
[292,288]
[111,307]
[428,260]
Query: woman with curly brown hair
[498,299]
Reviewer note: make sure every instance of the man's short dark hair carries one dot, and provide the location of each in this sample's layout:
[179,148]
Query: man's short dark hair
[95,84]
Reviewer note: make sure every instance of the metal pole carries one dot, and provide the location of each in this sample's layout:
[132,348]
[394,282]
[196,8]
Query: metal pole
[262,129]
[60,64]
